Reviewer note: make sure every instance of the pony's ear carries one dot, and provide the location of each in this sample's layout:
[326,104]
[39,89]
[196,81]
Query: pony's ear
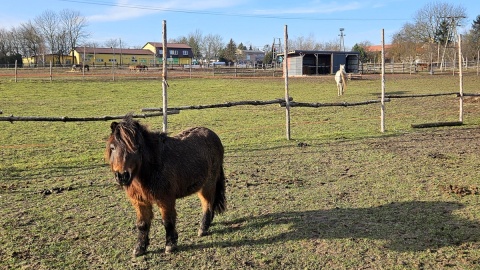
[113,126]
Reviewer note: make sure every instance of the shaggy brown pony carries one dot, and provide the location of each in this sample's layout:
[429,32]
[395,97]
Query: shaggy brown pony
[154,168]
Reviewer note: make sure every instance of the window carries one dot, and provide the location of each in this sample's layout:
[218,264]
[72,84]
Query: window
[185,52]
[173,52]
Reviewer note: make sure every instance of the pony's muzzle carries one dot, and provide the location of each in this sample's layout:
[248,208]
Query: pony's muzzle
[124,178]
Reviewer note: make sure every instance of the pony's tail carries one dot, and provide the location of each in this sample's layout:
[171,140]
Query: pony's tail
[344,81]
[220,201]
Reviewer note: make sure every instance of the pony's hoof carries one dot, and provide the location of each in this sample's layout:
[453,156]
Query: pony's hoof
[202,233]
[139,250]
[170,249]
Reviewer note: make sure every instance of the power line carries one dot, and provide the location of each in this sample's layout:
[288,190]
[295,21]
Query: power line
[100,3]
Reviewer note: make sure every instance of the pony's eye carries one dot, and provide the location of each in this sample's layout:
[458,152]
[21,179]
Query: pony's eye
[112,147]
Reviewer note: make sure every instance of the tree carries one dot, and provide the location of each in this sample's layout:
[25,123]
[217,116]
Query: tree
[405,44]
[48,26]
[32,39]
[195,40]
[268,59]
[304,43]
[429,25]
[362,52]
[442,34]
[212,46]
[229,53]
[112,43]
[241,46]
[73,28]
[471,46]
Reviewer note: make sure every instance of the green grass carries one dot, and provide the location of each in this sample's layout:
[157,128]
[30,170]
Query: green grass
[351,198]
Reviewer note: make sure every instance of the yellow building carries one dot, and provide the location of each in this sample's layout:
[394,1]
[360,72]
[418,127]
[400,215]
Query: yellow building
[113,56]
[45,59]
[177,53]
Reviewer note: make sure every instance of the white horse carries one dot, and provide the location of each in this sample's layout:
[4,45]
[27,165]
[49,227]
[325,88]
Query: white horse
[341,79]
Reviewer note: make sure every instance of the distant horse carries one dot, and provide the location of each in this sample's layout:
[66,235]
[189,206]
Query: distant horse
[138,67]
[341,79]
[154,168]
[141,67]
[81,67]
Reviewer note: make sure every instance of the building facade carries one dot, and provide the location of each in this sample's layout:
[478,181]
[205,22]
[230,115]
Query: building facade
[112,56]
[177,53]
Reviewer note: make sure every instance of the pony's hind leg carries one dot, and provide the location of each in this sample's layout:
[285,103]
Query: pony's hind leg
[206,199]
[144,220]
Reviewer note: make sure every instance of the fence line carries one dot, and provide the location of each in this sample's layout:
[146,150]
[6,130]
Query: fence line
[421,95]
[221,105]
[334,104]
[12,118]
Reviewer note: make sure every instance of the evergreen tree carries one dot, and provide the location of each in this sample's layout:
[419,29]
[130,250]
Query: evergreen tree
[476,25]
[229,53]
[363,54]
[442,33]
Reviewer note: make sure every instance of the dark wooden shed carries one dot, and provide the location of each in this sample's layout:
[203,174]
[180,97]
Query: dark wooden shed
[321,62]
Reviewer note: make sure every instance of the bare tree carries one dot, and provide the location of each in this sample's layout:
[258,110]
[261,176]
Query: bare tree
[212,45]
[32,39]
[423,33]
[48,25]
[112,43]
[304,43]
[73,25]
[406,43]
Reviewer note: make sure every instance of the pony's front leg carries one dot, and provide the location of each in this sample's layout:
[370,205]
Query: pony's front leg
[144,220]
[169,218]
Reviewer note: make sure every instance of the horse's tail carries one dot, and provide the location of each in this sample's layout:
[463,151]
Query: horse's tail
[220,201]
[344,81]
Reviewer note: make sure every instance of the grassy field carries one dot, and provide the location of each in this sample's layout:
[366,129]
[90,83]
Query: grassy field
[339,195]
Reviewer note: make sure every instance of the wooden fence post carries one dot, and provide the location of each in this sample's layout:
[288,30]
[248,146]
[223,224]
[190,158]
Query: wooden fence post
[460,75]
[285,73]
[164,76]
[15,70]
[382,107]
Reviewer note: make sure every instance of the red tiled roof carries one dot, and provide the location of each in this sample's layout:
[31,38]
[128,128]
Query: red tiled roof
[377,48]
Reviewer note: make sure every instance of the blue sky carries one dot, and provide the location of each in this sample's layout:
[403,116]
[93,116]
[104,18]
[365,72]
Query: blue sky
[252,22]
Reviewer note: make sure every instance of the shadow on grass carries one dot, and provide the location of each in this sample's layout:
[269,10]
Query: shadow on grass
[406,226]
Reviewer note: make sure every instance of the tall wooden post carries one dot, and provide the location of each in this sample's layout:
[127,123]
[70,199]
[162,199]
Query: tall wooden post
[460,74]
[285,73]
[51,72]
[164,76]
[16,71]
[382,110]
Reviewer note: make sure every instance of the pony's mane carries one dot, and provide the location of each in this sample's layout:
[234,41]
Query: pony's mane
[127,132]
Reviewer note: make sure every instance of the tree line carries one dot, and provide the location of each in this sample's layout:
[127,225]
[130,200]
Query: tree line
[431,36]
[49,33]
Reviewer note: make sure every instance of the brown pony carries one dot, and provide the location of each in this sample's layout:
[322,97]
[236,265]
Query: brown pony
[154,168]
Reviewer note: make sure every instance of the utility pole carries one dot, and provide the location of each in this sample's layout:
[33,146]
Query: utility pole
[451,34]
[276,49]
[342,41]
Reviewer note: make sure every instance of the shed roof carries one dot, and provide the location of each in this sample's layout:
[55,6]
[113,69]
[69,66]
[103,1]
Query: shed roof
[298,52]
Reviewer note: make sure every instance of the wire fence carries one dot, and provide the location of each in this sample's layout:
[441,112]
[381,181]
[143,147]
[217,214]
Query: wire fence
[126,73]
